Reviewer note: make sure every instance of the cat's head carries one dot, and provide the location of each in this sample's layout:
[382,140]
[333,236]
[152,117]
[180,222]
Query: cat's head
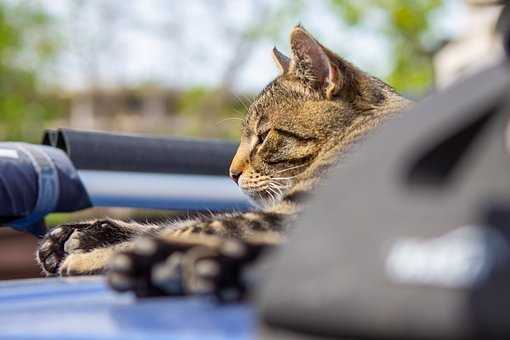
[317,105]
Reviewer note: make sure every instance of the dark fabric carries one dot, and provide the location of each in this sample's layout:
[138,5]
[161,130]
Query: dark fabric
[337,275]
[73,195]
[19,185]
[94,150]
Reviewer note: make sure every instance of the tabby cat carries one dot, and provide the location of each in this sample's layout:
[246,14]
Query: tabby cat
[294,130]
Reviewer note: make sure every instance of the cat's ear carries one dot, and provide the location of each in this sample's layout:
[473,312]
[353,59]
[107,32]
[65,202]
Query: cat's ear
[281,60]
[312,64]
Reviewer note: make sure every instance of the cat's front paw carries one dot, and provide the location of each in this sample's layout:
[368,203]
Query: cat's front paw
[61,246]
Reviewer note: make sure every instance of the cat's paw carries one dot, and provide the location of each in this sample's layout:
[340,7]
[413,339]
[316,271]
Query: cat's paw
[157,267]
[59,249]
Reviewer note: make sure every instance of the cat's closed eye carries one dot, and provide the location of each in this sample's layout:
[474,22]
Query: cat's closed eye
[261,137]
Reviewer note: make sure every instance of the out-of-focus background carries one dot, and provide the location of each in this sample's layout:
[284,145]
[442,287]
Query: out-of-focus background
[185,68]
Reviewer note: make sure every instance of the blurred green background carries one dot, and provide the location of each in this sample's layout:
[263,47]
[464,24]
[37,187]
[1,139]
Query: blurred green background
[46,46]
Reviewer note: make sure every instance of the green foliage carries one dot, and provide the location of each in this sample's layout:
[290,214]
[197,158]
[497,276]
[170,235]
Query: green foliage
[192,100]
[27,45]
[407,26]
[210,112]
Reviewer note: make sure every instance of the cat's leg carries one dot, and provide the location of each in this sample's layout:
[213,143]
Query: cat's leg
[85,247]
[92,262]
[165,264]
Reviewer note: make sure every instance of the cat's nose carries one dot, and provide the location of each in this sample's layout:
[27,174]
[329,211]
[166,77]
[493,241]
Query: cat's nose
[235,174]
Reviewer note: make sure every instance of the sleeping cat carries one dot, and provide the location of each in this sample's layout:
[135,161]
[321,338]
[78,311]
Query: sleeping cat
[294,130]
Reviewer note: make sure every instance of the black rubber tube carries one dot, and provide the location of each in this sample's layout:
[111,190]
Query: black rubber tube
[94,150]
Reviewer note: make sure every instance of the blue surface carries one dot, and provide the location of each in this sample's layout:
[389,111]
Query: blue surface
[163,191]
[85,308]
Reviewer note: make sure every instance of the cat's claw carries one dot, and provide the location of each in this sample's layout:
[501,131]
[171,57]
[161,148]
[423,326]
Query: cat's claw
[56,245]
[61,243]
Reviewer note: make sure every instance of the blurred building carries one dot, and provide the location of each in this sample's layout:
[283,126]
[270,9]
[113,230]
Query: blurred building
[153,110]
[122,109]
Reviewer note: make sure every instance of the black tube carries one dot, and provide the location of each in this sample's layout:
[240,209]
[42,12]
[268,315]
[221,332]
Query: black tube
[93,150]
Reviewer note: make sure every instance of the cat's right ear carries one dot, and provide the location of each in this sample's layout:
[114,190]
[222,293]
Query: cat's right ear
[312,64]
[281,60]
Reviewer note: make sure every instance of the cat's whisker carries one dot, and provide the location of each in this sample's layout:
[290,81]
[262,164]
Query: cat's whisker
[277,188]
[272,198]
[291,168]
[240,113]
[283,178]
[241,101]
[270,194]
[227,119]
[275,192]
[282,182]
[245,99]
[278,185]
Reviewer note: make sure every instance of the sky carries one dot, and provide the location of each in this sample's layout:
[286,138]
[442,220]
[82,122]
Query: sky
[181,44]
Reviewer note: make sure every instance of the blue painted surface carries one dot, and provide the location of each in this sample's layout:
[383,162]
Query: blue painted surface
[85,308]
[163,191]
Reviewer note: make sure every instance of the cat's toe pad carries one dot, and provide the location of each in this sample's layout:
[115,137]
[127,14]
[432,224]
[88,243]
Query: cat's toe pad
[51,250]
[60,243]
[73,243]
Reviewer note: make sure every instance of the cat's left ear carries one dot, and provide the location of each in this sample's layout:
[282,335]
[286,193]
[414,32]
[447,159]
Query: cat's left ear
[281,60]
[312,64]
